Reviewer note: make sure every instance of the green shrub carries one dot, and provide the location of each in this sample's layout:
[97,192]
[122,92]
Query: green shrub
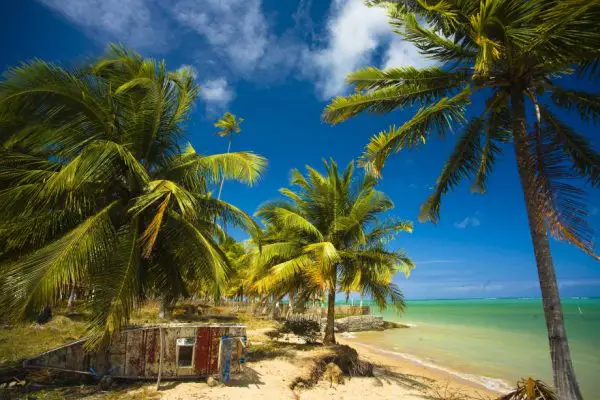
[308,330]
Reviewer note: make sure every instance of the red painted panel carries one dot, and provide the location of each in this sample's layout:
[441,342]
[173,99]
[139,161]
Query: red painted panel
[215,337]
[202,350]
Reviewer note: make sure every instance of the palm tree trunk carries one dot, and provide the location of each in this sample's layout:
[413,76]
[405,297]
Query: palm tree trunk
[71,302]
[223,179]
[330,327]
[164,308]
[562,366]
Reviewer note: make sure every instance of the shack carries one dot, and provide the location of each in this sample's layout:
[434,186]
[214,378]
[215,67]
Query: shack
[171,352]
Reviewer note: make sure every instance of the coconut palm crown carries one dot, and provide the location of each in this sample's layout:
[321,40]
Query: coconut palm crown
[509,56]
[97,192]
[329,236]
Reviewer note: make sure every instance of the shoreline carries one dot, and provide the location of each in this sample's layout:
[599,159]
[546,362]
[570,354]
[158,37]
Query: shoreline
[456,381]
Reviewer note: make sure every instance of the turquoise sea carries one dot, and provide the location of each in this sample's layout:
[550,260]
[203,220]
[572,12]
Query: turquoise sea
[493,341]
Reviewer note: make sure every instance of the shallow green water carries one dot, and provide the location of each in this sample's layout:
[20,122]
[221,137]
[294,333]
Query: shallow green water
[497,338]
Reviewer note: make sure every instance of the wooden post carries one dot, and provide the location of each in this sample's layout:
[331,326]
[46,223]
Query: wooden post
[160,359]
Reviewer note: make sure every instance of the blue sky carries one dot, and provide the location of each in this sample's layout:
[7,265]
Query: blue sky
[275,63]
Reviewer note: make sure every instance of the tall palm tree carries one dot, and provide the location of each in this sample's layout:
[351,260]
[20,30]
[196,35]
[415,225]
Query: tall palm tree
[330,237]
[229,125]
[96,190]
[507,52]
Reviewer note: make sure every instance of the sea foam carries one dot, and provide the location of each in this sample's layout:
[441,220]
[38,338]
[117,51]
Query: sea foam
[495,384]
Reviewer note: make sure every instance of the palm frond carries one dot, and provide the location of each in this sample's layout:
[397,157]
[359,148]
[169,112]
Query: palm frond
[584,157]
[586,104]
[388,97]
[440,118]
[430,43]
[34,280]
[561,202]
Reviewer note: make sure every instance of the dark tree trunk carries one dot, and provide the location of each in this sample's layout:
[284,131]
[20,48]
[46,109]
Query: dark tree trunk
[562,366]
[330,327]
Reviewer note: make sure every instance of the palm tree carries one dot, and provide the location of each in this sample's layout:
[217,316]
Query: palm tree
[330,237]
[506,52]
[229,125]
[96,190]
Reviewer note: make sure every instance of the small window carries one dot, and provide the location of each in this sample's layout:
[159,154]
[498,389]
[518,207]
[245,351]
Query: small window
[185,352]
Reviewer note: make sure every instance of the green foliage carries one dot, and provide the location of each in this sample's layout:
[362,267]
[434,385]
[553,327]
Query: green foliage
[329,236]
[307,330]
[229,124]
[492,50]
[97,192]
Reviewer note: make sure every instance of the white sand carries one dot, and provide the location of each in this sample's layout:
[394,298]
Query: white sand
[270,379]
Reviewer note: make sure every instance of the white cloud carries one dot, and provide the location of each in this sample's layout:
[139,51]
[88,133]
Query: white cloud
[235,39]
[468,221]
[402,53]
[354,33]
[216,94]
[134,22]
[235,29]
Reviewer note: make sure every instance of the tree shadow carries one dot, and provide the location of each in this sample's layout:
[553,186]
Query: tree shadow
[169,385]
[248,376]
[273,349]
[409,381]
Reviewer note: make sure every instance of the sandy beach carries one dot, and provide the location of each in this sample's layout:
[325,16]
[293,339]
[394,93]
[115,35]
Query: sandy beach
[271,378]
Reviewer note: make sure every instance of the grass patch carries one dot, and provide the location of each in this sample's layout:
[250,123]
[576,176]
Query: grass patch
[24,341]
[253,322]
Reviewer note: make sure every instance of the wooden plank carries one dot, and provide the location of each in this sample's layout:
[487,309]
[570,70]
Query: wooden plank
[152,352]
[134,364]
[214,338]
[202,350]
[99,361]
[74,357]
[57,358]
[116,354]
[169,367]
[186,332]
[226,351]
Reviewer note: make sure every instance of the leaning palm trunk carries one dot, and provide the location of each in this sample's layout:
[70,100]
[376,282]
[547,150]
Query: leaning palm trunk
[562,366]
[330,327]
[71,302]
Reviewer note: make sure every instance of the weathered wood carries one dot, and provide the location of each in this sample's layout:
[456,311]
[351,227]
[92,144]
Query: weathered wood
[135,353]
[117,351]
[202,355]
[215,339]
[135,359]
[152,352]
[160,358]
[170,352]
[75,357]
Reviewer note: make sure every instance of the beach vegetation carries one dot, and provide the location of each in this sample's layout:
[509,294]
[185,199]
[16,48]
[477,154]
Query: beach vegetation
[509,60]
[99,191]
[329,235]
